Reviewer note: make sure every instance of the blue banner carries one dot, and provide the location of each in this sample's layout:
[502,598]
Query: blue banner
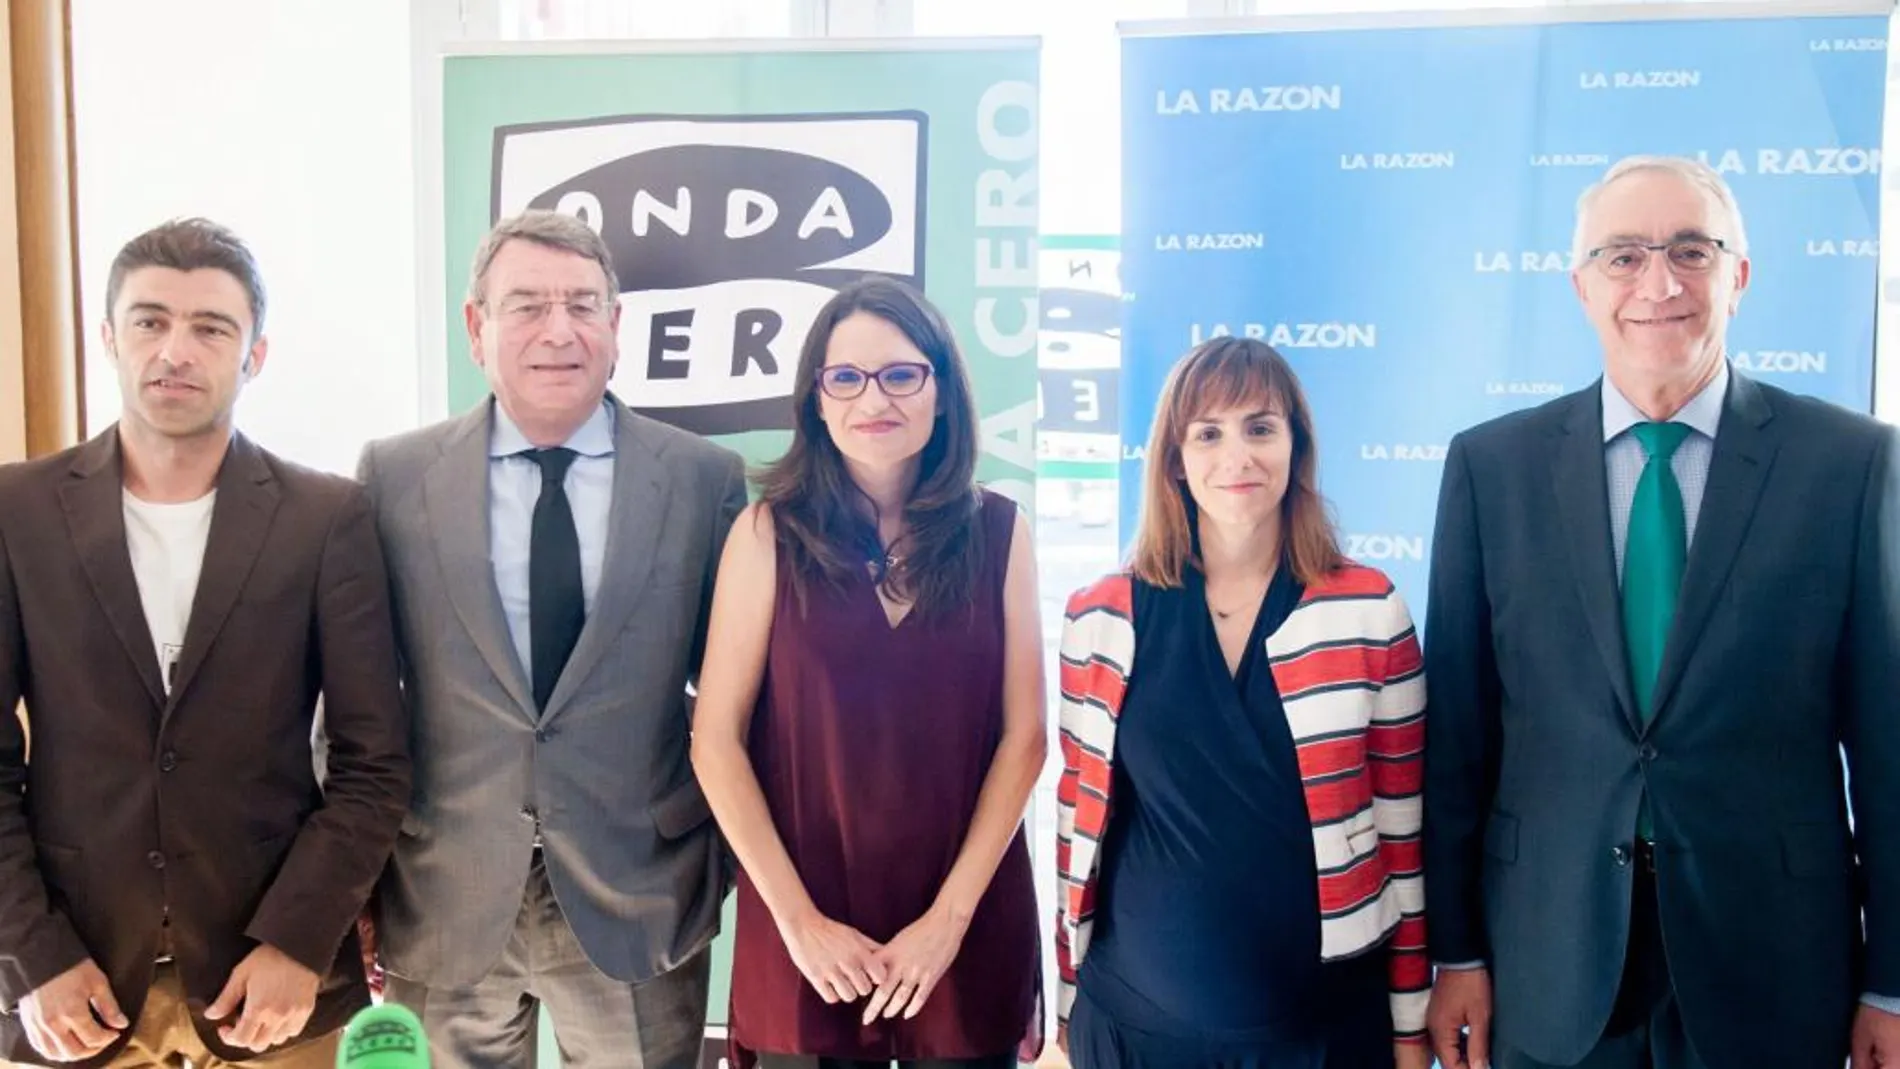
[1393,209]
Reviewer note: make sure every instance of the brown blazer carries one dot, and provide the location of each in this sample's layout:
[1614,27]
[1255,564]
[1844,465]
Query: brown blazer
[204,804]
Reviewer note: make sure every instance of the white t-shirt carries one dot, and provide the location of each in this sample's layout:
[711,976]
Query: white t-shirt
[167,543]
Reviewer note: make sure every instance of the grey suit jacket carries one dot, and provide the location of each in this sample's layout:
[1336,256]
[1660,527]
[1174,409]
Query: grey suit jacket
[603,773]
[1784,653]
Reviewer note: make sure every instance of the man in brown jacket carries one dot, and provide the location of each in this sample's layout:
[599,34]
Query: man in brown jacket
[176,882]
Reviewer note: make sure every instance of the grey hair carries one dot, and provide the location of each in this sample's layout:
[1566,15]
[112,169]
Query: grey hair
[553,230]
[1695,171]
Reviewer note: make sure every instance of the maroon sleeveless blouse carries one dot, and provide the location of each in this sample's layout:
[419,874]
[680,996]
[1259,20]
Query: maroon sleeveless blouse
[871,743]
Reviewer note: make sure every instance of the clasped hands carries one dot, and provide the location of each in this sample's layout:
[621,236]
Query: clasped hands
[844,965]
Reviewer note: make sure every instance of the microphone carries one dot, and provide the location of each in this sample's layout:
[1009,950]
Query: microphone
[388,1036]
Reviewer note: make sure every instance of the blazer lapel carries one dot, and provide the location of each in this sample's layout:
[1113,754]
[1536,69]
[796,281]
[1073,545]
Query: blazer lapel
[1744,451]
[635,519]
[92,499]
[240,521]
[455,492]
[1583,503]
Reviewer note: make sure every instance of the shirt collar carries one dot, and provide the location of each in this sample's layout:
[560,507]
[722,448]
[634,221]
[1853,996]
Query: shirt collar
[1703,413]
[595,438]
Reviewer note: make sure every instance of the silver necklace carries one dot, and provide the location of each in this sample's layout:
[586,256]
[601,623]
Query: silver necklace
[1228,614]
[884,565]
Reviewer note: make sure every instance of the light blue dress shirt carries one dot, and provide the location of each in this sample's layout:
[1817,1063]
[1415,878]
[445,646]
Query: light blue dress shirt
[1623,455]
[514,484]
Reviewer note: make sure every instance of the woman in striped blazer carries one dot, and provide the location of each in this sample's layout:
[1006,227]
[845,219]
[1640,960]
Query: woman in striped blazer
[1242,731]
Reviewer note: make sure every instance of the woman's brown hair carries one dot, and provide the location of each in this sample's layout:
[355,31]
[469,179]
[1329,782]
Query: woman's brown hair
[1220,375]
[826,524]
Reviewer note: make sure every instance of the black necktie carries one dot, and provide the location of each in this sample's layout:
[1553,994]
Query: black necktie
[556,606]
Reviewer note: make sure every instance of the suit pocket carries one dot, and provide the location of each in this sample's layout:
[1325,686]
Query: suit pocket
[667,579]
[681,810]
[282,592]
[1500,837]
[667,606]
[1816,851]
[54,856]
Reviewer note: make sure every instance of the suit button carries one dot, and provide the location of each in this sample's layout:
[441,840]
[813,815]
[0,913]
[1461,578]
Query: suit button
[543,734]
[155,859]
[167,761]
[1647,753]
[528,813]
[1621,855]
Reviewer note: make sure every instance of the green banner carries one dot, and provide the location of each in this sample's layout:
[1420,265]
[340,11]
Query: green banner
[738,189]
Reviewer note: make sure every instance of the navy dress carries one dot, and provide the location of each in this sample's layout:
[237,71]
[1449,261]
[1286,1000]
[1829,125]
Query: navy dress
[1207,935]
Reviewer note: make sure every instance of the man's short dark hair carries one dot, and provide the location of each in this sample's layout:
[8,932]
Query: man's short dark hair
[190,245]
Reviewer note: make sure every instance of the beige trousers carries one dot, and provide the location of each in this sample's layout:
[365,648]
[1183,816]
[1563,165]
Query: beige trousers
[164,1038]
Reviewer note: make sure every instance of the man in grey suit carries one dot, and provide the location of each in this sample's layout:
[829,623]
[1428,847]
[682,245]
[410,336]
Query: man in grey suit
[1661,609]
[552,558]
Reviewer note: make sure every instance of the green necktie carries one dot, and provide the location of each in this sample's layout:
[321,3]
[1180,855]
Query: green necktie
[1654,552]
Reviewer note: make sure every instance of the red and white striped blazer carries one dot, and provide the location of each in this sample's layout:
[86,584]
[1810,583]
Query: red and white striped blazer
[1350,676]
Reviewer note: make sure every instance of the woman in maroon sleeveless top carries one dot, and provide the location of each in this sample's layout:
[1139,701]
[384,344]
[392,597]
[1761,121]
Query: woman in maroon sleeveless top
[870,716]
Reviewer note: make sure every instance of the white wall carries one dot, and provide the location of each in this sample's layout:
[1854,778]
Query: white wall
[290,122]
[1079,166]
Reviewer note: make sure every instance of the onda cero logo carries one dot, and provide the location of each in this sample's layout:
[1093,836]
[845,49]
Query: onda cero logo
[728,234]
